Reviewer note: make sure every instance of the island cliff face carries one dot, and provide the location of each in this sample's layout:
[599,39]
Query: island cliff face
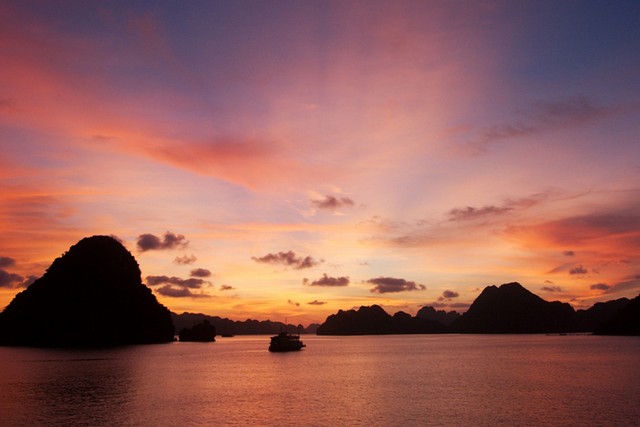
[93,295]
[513,309]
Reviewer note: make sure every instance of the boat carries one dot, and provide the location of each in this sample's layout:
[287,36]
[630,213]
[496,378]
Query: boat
[286,342]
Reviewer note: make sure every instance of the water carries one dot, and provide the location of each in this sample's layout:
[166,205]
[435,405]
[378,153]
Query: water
[356,381]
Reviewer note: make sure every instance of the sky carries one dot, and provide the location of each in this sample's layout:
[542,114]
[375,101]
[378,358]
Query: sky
[287,159]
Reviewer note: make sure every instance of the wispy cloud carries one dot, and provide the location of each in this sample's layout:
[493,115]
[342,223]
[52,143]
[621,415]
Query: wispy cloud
[288,259]
[630,283]
[489,211]
[580,270]
[185,259]
[191,283]
[544,116]
[332,202]
[7,262]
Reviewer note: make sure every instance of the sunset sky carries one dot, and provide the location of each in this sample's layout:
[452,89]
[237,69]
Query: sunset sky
[286,159]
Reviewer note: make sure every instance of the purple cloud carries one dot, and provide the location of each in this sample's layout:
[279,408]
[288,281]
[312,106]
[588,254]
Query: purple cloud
[327,281]
[200,272]
[289,259]
[185,259]
[148,242]
[332,202]
[392,284]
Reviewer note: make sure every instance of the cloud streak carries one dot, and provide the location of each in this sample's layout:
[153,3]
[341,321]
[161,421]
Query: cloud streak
[544,116]
[288,259]
[332,202]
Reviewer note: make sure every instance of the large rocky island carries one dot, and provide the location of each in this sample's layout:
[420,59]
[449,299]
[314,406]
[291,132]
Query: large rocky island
[92,295]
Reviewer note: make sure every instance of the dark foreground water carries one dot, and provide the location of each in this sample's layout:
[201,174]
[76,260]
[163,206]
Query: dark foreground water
[381,380]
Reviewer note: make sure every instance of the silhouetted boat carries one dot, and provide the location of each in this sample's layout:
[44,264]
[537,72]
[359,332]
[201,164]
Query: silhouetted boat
[286,342]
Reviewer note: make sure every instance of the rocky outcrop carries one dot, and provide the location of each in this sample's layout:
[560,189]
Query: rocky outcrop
[92,295]
[512,309]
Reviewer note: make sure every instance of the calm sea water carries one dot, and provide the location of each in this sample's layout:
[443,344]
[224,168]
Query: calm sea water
[380,380]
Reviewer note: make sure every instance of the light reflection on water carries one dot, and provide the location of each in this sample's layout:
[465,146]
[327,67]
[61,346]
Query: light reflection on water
[381,380]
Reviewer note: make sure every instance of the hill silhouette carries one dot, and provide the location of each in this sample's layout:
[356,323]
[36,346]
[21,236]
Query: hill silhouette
[513,309]
[625,322]
[202,332]
[374,320]
[441,316]
[589,320]
[509,308]
[92,295]
[226,326]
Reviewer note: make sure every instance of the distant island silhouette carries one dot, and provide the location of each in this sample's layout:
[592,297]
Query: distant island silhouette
[201,332]
[228,327]
[92,295]
[508,309]
[374,320]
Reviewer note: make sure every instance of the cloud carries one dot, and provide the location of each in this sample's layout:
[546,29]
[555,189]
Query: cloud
[460,305]
[582,229]
[200,272]
[7,262]
[179,292]
[176,287]
[147,242]
[226,288]
[332,202]
[600,287]
[327,281]
[568,253]
[10,280]
[471,213]
[631,283]
[316,302]
[117,239]
[552,288]
[192,283]
[578,270]
[447,295]
[289,259]
[185,259]
[290,302]
[541,117]
[391,284]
